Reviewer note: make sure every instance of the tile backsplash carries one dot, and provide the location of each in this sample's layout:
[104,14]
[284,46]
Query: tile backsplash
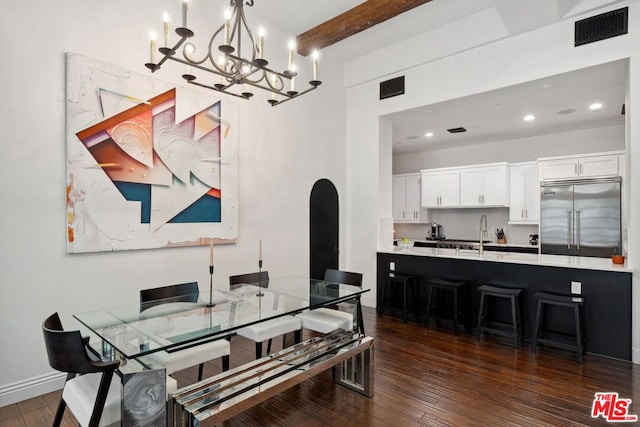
[465,224]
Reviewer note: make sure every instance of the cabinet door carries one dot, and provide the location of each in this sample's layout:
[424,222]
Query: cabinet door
[531,194]
[599,166]
[398,196]
[558,169]
[495,191]
[413,197]
[430,189]
[450,189]
[516,193]
[470,187]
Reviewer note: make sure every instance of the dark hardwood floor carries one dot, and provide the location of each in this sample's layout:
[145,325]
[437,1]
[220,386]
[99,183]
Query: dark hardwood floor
[424,377]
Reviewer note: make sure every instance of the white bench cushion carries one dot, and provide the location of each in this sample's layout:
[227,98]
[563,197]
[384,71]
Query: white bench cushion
[325,320]
[270,329]
[182,359]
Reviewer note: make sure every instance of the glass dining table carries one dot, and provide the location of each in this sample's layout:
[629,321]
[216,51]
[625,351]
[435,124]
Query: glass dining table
[136,330]
[132,333]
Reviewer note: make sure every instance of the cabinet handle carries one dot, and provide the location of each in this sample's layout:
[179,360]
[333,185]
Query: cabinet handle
[404,215]
[483,199]
[581,168]
[479,199]
[575,169]
[526,214]
[522,214]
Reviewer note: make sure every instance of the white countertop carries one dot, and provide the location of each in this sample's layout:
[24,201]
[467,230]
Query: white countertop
[588,263]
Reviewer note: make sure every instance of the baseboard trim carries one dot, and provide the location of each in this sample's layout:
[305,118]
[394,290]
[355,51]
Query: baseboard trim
[31,387]
[635,355]
[368,301]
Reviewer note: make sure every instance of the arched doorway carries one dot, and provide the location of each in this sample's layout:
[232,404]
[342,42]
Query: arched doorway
[324,247]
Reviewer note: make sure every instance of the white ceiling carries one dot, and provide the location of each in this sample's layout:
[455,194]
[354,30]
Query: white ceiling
[487,117]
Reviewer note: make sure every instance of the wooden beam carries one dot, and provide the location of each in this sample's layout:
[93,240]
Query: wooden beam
[351,22]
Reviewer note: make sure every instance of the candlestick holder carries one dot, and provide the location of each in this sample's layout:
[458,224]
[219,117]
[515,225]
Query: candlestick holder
[259,294]
[211,304]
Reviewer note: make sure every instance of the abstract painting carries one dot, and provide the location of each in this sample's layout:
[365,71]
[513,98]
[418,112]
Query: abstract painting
[149,164]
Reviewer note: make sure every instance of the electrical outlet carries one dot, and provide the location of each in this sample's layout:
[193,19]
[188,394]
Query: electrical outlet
[392,266]
[576,288]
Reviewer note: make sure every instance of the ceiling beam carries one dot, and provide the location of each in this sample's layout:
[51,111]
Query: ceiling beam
[351,22]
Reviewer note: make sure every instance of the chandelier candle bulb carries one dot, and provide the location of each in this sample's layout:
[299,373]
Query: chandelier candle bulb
[227,26]
[260,250]
[185,8]
[316,55]
[165,19]
[211,253]
[261,42]
[152,47]
[292,46]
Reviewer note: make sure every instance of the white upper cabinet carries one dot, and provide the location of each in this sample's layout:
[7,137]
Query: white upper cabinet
[484,186]
[406,198]
[441,188]
[580,167]
[524,193]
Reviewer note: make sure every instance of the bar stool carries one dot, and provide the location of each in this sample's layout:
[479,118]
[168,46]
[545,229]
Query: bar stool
[498,328]
[459,302]
[575,302]
[403,280]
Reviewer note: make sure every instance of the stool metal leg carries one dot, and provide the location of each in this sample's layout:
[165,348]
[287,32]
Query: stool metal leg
[514,320]
[481,314]
[384,290]
[426,317]
[578,318]
[538,325]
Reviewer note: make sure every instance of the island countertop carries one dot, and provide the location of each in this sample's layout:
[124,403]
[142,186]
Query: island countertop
[589,263]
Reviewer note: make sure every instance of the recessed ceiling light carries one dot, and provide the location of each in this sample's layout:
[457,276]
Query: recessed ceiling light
[567,111]
[548,85]
[429,111]
[529,118]
[428,134]
[413,137]
[596,106]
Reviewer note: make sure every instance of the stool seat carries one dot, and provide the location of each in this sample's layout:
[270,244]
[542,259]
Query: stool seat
[513,295]
[574,302]
[459,302]
[404,280]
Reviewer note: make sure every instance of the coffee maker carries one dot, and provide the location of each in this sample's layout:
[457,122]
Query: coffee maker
[435,232]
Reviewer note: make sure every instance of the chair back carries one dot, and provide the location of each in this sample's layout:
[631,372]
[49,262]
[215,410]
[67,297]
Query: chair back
[345,277]
[182,292]
[66,349]
[261,277]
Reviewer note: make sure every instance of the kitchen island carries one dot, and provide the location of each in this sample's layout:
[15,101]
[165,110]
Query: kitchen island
[606,287]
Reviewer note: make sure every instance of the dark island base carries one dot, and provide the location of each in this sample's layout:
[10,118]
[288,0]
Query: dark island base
[607,311]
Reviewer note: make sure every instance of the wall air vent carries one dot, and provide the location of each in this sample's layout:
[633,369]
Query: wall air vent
[603,26]
[456,130]
[393,87]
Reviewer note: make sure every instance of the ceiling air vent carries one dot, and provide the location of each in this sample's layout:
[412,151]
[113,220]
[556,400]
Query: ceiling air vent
[393,87]
[456,130]
[603,26]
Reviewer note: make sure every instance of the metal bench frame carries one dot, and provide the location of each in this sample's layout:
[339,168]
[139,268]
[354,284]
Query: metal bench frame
[229,393]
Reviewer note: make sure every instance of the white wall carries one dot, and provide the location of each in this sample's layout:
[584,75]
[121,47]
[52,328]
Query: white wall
[442,76]
[282,152]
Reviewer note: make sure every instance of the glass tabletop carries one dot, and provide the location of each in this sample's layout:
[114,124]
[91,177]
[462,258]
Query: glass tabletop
[136,330]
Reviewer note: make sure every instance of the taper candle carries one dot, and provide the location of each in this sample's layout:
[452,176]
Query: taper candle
[165,19]
[227,26]
[260,250]
[315,56]
[293,79]
[292,46]
[211,253]
[152,47]
[185,8]
[261,42]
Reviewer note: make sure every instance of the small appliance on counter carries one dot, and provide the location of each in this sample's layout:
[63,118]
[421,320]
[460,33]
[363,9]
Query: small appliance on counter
[436,232]
[533,239]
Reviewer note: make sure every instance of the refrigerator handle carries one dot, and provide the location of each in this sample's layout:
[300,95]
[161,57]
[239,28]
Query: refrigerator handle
[577,230]
[568,229]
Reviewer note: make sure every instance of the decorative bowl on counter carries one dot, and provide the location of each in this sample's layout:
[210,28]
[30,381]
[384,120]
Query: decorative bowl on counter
[405,244]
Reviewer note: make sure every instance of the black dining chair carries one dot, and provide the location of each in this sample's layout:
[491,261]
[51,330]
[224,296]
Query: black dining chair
[176,360]
[89,392]
[267,330]
[324,319]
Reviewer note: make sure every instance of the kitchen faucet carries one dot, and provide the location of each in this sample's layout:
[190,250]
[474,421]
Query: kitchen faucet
[483,232]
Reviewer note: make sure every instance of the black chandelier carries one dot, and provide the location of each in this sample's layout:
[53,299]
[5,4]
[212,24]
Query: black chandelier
[235,74]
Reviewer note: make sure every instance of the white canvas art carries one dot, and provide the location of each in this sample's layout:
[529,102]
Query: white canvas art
[149,164]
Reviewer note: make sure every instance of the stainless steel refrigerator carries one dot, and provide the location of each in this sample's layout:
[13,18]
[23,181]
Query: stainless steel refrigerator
[581,217]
